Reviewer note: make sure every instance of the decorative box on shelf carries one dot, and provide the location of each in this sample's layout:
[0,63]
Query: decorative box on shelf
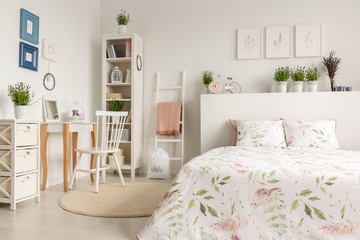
[114,96]
[19,161]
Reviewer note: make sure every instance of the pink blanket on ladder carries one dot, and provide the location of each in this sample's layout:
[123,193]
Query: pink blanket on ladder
[168,119]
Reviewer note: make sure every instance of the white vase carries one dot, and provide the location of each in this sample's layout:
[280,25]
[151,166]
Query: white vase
[122,28]
[312,86]
[206,89]
[297,86]
[128,76]
[281,86]
[21,112]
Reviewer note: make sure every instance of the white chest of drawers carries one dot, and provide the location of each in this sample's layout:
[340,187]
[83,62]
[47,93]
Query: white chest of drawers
[19,161]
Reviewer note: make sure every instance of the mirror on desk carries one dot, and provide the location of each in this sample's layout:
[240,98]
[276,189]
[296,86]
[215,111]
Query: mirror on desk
[50,109]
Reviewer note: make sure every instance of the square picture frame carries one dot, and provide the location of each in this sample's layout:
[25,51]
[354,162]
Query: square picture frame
[278,41]
[248,43]
[308,40]
[49,50]
[29,26]
[28,56]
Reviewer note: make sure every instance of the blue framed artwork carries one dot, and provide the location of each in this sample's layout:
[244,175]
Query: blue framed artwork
[29,26]
[28,56]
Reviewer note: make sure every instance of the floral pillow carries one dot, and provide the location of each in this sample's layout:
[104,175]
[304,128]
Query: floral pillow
[260,134]
[316,134]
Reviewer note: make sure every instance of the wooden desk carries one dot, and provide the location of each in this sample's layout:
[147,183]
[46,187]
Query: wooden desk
[65,129]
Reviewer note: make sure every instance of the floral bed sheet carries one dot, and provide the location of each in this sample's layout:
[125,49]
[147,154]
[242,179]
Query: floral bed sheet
[262,193]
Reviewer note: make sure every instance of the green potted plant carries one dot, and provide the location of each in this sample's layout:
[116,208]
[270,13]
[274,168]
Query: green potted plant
[312,77]
[281,75]
[116,106]
[207,79]
[298,77]
[21,97]
[122,19]
[332,66]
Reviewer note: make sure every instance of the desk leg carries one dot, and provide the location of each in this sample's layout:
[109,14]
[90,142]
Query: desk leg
[74,147]
[93,138]
[66,143]
[43,147]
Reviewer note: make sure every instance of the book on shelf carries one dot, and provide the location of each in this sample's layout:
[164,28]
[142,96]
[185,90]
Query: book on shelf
[111,51]
[108,51]
[128,48]
[128,119]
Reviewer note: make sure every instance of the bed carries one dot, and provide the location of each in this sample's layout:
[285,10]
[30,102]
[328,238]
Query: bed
[266,192]
[262,193]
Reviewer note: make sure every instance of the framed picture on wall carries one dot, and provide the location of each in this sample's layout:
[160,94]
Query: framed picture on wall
[28,56]
[29,26]
[249,43]
[308,40]
[278,42]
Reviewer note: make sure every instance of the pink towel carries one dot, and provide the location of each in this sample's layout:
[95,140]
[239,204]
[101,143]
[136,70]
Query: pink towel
[168,119]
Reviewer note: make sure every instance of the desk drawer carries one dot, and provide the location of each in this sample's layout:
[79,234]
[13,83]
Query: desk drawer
[27,134]
[25,186]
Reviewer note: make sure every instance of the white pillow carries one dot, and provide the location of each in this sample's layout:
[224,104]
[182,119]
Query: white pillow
[260,134]
[316,134]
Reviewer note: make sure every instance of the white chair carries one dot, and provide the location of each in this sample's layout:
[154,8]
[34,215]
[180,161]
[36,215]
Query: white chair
[112,125]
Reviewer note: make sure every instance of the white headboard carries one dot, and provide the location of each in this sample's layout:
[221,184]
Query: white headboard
[217,109]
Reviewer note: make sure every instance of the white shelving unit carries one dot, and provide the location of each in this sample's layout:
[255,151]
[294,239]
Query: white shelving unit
[132,93]
[19,161]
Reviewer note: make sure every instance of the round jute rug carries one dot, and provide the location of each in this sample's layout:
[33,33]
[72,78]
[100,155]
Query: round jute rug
[114,200]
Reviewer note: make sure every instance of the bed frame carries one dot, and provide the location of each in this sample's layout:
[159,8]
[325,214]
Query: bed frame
[217,109]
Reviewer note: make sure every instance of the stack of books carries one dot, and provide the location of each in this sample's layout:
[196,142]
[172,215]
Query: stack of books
[111,51]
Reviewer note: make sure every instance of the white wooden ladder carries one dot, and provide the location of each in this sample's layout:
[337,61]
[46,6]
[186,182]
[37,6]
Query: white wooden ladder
[180,140]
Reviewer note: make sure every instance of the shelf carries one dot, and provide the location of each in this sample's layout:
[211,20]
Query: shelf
[126,142]
[118,84]
[121,100]
[169,140]
[119,60]
[170,88]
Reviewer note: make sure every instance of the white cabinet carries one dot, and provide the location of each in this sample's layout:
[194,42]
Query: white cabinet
[19,161]
[128,49]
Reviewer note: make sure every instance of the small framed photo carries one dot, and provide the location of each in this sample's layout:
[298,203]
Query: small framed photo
[29,26]
[28,56]
[308,40]
[278,42]
[249,43]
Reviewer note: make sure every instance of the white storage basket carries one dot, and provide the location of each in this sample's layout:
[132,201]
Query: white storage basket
[25,186]
[26,134]
[26,160]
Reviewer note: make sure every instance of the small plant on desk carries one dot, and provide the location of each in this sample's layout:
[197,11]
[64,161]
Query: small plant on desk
[116,106]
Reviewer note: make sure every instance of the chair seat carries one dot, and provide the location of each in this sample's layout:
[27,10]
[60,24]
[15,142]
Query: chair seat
[96,150]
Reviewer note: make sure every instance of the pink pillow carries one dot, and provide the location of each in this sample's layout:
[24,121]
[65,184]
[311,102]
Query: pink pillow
[234,131]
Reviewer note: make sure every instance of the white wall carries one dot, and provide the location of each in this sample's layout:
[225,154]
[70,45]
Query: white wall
[201,35]
[75,27]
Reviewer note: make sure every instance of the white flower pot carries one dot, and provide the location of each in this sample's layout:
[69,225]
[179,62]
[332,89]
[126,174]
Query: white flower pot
[206,89]
[21,112]
[122,28]
[297,86]
[312,86]
[281,86]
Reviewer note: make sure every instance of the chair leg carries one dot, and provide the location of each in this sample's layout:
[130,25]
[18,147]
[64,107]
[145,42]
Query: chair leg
[119,170]
[98,159]
[72,179]
[103,172]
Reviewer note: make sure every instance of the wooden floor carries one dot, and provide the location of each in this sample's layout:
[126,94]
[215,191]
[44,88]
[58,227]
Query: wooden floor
[47,221]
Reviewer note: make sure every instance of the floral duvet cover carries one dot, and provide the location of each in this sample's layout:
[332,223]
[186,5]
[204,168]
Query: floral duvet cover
[262,193]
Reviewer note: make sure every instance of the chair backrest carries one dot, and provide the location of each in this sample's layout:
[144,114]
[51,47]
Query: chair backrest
[111,125]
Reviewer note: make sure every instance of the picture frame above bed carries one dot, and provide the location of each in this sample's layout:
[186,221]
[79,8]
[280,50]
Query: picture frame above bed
[308,40]
[278,41]
[248,43]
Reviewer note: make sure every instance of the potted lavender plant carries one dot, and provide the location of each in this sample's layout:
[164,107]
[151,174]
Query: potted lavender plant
[123,20]
[281,76]
[21,97]
[312,77]
[298,76]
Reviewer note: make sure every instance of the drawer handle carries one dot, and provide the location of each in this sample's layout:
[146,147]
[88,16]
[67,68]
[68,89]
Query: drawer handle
[28,127]
[28,152]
